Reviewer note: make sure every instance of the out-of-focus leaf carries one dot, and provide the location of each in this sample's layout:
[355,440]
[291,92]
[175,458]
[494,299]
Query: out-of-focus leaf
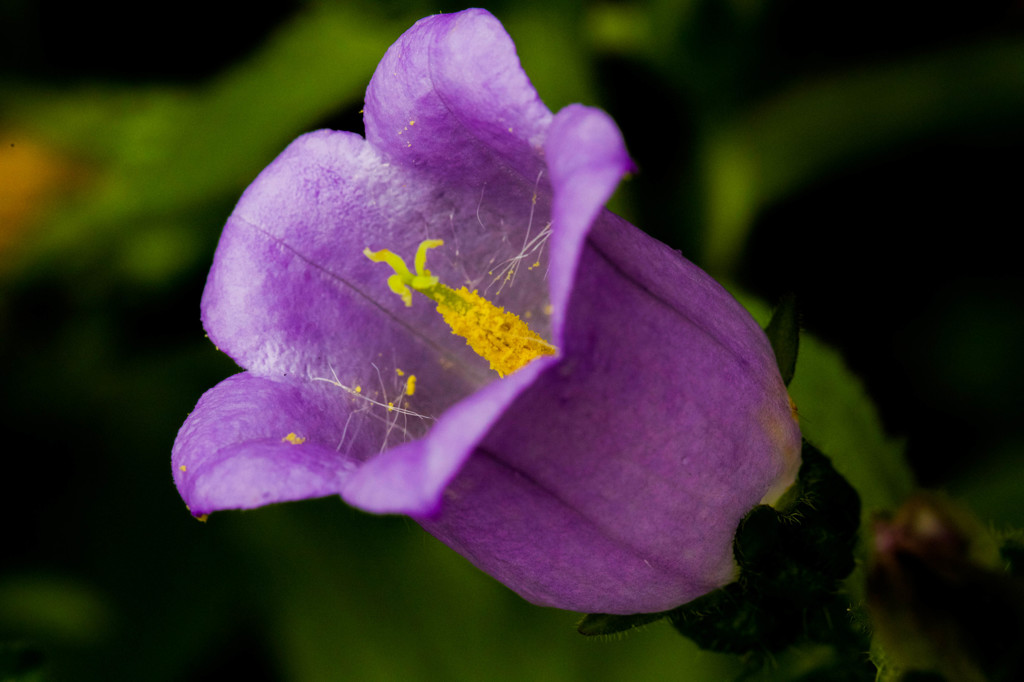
[21,662]
[818,127]
[162,152]
[993,490]
[404,606]
[54,607]
[548,39]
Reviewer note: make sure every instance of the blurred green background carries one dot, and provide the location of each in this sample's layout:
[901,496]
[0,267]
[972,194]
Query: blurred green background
[865,156]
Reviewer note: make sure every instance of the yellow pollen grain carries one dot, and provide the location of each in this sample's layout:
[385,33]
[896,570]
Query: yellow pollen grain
[399,372]
[410,384]
[391,407]
[499,337]
[358,389]
[293,439]
[202,519]
[182,468]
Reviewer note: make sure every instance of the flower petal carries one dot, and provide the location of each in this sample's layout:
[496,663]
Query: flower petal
[251,441]
[663,423]
[551,552]
[650,460]
[591,159]
[411,478]
[586,158]
[290,292]
[609,477]
[451,98]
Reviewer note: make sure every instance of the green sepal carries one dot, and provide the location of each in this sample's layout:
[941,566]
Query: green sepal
[791,561]
[599,624]
[783,333]
[729,621]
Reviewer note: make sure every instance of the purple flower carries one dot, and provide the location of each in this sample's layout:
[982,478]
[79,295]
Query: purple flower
[609,472]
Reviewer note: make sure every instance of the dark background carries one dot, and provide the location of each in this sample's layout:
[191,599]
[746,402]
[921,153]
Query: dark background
[865,157]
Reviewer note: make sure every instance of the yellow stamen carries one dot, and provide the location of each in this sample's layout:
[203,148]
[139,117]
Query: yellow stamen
[410,384]
[499,337]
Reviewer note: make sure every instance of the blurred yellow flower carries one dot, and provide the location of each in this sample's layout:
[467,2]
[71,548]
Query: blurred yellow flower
[31,176]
